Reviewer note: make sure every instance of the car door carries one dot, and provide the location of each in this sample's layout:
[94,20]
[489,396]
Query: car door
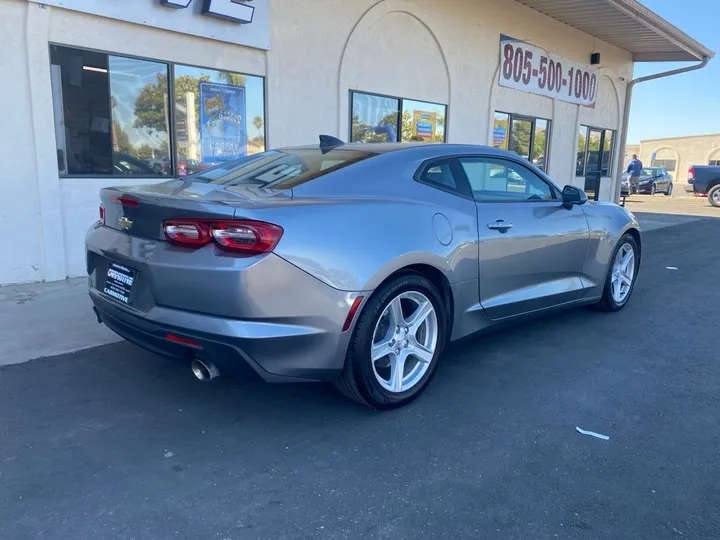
[666,180]
[531,248]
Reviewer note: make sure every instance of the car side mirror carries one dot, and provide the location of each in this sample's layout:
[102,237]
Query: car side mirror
[572,195]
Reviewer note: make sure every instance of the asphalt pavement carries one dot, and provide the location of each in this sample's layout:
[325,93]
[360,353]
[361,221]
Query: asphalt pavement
[113,442]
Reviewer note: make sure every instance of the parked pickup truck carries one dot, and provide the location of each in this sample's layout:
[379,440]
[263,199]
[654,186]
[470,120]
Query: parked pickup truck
[704,180]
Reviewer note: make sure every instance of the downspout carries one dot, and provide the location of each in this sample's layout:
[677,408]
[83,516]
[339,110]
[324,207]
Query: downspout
[626,114]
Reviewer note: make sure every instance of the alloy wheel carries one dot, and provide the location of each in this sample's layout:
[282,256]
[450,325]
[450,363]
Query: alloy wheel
[716,197]
[404,341]
[623,273]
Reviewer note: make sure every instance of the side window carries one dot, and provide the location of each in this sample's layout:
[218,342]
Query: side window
[439,174]
[496,180]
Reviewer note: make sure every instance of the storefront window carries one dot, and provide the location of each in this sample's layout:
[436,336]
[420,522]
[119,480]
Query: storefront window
[525,136]
[112,115]
[374,118]
[219,116]
[387,119]
[594,153]
[667,164]
[105,121]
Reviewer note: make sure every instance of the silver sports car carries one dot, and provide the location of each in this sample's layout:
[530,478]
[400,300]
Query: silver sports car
[353,263]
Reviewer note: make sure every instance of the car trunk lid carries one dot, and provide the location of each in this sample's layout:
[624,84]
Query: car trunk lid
[141,210]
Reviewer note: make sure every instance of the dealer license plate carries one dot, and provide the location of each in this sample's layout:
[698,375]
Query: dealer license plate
[119,282]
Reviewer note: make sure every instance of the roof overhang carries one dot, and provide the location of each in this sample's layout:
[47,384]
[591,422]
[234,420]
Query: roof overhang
[627,24]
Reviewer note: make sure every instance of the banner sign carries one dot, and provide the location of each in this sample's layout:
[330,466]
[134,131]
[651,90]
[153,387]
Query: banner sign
[424,124]
[531,69]
[222,122]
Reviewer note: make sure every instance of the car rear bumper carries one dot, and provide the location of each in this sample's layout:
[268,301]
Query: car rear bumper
[268,315]
[697,189]
[274,352]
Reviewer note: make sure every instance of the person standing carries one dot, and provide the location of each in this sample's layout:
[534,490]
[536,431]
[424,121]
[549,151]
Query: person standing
[634,169]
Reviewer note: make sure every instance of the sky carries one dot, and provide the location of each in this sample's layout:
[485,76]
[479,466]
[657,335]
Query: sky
[687,104]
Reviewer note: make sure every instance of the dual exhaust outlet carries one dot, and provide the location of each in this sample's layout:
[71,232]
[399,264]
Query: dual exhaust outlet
[203,370]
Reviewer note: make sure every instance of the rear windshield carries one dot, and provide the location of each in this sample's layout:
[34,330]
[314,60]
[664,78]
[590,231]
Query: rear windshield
[278,170]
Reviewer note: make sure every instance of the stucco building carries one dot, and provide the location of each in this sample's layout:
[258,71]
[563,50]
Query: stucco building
[102,92]
[678,154]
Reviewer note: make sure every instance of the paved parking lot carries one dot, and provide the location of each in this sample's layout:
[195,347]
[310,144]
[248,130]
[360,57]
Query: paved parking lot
[113,442]
[680,205]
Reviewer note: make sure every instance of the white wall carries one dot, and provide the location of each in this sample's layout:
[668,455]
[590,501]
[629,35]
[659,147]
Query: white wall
[446,52]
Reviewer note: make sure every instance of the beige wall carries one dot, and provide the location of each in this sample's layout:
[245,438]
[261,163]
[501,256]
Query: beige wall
[445,52]
[693,150]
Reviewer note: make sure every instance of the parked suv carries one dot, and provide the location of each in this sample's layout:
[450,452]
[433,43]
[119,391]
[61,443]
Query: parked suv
[704,180]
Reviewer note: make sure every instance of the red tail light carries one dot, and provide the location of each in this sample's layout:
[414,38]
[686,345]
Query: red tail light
[102,214]
[241,236]
[691,174]
[187,233]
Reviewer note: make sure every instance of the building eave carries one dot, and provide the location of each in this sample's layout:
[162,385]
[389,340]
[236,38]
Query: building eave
[626,24]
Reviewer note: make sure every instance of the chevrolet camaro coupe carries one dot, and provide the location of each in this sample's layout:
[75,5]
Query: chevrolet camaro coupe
[352,263]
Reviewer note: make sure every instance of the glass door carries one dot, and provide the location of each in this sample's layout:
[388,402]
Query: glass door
[521,130]
[593,167]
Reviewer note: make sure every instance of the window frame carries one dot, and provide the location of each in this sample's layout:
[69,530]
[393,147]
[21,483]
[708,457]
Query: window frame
[171,106]
[603,131]
[398,125]
[533,120]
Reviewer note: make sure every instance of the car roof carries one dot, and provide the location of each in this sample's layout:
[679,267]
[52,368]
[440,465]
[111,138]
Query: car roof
[384,148]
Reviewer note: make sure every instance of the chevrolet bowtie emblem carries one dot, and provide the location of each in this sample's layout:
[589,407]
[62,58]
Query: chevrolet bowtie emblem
[125,223]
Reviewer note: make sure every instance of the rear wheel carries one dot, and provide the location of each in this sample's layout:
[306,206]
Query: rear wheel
[394,349]
[669,190]
[714,196]
[622,274]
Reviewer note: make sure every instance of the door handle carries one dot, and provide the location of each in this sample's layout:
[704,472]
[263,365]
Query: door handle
[500,225]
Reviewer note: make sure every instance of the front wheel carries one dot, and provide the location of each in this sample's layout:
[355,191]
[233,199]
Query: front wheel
[714,196]
[622,274]
[394,349]
[669,190]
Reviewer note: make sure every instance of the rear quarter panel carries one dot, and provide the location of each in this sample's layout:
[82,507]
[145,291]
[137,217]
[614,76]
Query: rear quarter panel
[353,230]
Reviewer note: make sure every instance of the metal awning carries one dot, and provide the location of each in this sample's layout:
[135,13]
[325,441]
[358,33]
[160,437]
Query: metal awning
[626,24]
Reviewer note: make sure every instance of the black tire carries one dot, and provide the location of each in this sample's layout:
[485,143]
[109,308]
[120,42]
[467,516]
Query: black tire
[714,196]
[669,190]
[607,302]
[358,381]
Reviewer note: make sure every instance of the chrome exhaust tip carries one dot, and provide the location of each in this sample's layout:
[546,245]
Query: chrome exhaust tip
[204,371]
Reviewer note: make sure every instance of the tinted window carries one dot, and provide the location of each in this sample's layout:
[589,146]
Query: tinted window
[105,112]
[219,117]
[391,119]
[497,180]
[594,151]
[668,164]
[280,170]
[525,136]
[439,174]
